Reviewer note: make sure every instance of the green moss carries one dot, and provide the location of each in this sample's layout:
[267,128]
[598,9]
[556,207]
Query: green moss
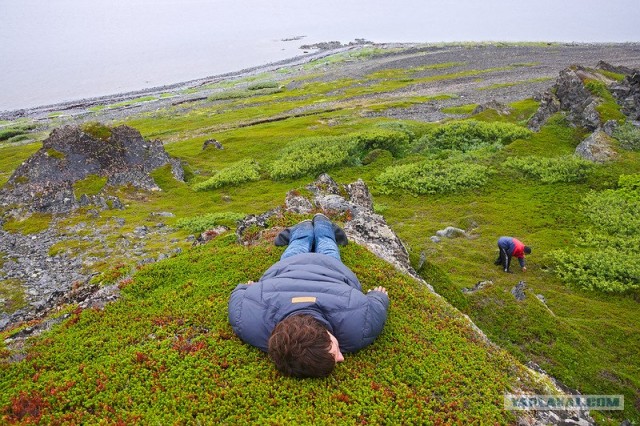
[97,130]
[608,108]
[179,360]
[462,109]
[91,185]
[55,154]
[32,224]
[11,295]
[514,83]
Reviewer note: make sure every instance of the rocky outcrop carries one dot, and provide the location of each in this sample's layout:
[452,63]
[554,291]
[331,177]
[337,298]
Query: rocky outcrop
[596,147]
[353,201]
[626,92]
[45,182]
[498,107]
[569,94]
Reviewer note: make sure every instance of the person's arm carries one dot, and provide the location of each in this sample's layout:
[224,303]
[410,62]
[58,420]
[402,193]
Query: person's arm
[522,264]
[234,308]
[378,300]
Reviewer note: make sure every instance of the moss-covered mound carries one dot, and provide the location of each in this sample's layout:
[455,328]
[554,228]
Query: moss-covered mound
[165,354]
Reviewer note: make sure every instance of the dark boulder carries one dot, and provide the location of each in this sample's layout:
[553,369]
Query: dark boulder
[45,182]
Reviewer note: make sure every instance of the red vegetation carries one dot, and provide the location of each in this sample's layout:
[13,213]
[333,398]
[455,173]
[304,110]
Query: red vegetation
[27,406]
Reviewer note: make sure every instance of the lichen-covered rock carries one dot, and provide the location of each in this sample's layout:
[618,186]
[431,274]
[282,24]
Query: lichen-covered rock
[296,203]
[45,181]
[569,94]
[451,232]
[596,147]
[498,107]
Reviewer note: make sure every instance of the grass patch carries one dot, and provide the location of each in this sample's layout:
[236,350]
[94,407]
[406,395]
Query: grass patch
[514,83]
[97,130]
[31,224]
[461,109]
[91,185]
[198,224]
[608,108]
[11,295]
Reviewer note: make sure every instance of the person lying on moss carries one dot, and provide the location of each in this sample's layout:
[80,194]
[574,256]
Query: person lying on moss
[308,308]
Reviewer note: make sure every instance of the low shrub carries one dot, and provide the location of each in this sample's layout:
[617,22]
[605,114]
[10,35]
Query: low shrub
[470,135]
[13,132]
[239,172]
[607,260]
[395,141]
[628,135]
[264,85]
[607,269]
[201,223]
[434,176]
[614,211]
[398,126]
[567,168]
[312,155]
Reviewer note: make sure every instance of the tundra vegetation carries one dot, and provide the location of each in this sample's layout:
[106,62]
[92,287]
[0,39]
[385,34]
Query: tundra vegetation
[165,353]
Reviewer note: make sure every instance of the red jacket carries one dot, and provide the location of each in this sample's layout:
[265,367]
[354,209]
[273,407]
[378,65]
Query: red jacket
[518,251]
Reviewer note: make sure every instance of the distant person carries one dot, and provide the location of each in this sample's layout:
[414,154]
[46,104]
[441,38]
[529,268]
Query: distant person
[308,308]
[511,247]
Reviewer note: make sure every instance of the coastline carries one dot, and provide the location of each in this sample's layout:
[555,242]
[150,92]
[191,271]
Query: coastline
[85,103]
[188,91]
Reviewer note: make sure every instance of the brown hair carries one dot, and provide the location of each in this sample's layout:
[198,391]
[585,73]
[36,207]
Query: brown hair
[299,346]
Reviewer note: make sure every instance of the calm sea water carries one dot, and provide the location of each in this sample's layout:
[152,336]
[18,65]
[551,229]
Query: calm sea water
[59,50]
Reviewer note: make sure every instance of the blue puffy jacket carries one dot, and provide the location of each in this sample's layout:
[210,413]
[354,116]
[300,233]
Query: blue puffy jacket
[314,284]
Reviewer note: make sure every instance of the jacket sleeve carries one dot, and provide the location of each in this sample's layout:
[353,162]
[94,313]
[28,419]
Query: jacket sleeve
[235,308]
[376,315]
[521,261]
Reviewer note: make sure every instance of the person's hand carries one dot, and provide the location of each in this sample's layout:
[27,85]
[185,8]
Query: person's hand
[380,289]
[250,282]
[524,269]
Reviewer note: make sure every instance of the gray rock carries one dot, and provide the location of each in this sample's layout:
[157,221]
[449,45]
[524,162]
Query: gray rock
[569,94]
[609,127]
[212,142]
[435,239]
[596,147]
[518,291]
[451,232]
[163,214]
[296,203]
[479,286]
[359,195]
[541,298]
[501,109]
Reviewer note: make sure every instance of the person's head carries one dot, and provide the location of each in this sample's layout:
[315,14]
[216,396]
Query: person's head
[301,346]
[527,250]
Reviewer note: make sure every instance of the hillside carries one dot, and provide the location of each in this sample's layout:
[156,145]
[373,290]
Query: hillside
[406,121]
